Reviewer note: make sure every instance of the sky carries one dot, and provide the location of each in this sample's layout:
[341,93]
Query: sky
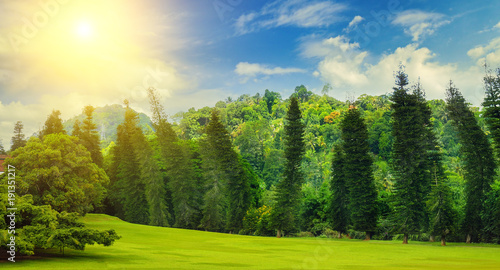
[66,54]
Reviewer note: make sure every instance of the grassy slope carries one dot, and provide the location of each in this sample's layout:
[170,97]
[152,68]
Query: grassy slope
[145,247]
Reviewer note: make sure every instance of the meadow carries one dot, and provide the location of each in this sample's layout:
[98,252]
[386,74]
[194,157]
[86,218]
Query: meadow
[146,247]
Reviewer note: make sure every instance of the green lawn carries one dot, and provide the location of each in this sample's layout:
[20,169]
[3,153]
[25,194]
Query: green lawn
[145,247]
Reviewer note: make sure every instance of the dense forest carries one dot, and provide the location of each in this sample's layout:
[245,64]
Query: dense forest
[394,166]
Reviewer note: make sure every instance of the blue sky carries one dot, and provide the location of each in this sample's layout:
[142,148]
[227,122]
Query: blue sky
[64,55]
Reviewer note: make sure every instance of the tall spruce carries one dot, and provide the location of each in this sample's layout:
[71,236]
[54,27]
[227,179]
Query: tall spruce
[181,177]
[479,163]
[357,170]
[339,201]
[409,161]
[53,124]
[226,179]
[288,190]
[491,105]
[128,188]
[89,137]
[18,140]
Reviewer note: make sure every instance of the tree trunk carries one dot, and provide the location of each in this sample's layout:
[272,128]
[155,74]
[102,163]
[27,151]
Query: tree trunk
[468,238]
[368,236]
[405,238]
[432,239]
[278,235]
[443,240]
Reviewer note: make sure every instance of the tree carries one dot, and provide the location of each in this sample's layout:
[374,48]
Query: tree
[357,170]
[41,227]
[479,163]
[409,159]
[491,106]
[181,176]
[288,189]
[2,150]
[53,124]
[59,172]
[18,140]
[226,178]
[339,202]
[128,186]
[89,136]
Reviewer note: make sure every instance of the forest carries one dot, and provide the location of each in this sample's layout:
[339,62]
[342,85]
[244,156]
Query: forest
[387,167]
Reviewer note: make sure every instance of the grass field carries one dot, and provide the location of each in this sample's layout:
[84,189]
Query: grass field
[145,247]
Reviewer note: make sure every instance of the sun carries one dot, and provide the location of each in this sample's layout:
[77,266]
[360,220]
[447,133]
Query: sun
[84,30]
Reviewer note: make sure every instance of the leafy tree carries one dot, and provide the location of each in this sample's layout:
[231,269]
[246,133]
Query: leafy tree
[409,159]
[271,98]
[357,171]
[288,189]
[59,172]
[479,164]
[302,94]
[491,106]
[41,227]
[339,202]
[53,124]
[18,140]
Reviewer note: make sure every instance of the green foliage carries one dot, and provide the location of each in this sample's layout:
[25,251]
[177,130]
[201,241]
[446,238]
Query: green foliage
[87,133]
[257,221]
[491,106]
[478,159]
[288,189]
[59,172]
[338,204]
[18,140]
[53,124]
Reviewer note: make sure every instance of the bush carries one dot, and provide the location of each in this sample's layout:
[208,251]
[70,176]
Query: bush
[305,234]
[257,222]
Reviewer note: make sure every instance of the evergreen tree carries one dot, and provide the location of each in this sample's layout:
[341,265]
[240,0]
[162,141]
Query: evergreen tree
[491,106]
[128,188]
[53,124]
[89,136]
[18,140]
[77,132]
[181,177]
[2,149]
[479,164]
[288,189]
[226,177]
[409,161]
[357,170]
[339,202]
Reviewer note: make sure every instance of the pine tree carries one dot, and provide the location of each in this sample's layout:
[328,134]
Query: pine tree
[479,164]
[409,161]
[18,140]
[491,106]
[181,177]
[77,132]
[288,189]
[89,136]
[339,202]
[128,187]
[226,177]
[53,124]
[358,173]
[2,149]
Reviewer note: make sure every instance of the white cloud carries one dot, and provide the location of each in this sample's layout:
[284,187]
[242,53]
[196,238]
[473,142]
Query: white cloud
[299,13]
[347,68]
[489,53]
[357,19]
[252,70]
[420,24]
[497,25]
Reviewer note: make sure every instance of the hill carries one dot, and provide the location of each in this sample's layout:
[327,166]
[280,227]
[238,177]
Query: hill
[107,119]
[146,247]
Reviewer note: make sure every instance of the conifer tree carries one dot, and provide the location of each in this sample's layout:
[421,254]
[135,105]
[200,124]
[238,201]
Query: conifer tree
[479,164]
[339,202]
[357,170]
[77,132]
[2,149]
[18,140]
[53,124]
[288,189]
[491,106]
[89,136]
[409,160]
